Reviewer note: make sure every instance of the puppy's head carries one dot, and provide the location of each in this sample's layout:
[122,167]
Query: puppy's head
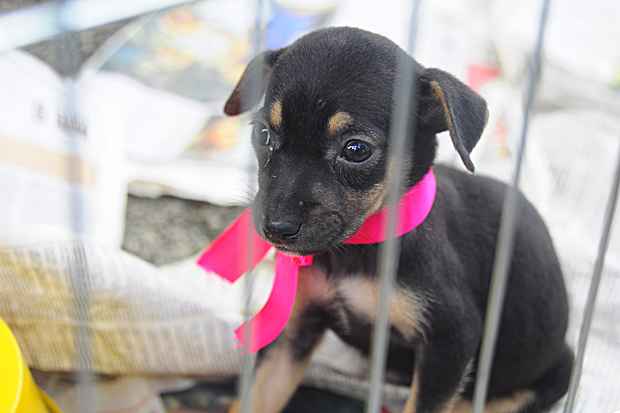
[322,135]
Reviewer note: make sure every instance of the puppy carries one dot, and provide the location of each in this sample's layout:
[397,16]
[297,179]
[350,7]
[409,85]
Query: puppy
[321,139]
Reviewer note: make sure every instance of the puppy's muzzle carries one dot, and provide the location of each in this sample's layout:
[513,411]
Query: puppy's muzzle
[281,230]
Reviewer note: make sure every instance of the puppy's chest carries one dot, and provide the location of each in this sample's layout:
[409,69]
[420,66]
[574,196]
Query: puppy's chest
[350,302]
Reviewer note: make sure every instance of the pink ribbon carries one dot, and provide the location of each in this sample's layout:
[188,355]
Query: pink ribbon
[229,257]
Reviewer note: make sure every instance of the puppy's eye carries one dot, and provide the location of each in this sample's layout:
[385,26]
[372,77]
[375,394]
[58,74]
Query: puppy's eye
[356,151]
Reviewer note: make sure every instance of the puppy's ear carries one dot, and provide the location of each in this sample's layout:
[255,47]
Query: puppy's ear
[445,103]
[252,84]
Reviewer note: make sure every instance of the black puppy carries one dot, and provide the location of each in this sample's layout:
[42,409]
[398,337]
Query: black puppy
[321,139]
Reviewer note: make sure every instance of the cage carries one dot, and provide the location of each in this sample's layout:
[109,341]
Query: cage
[103,99]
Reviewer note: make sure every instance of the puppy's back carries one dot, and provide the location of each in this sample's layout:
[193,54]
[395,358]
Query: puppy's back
[535,317]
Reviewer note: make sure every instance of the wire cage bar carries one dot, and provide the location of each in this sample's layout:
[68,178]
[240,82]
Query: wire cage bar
[246,377]
[85,391]
[510,212]
[597,274]
[55,18]
[401,141]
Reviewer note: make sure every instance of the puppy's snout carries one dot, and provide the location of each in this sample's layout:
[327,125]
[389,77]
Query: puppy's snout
[282,230]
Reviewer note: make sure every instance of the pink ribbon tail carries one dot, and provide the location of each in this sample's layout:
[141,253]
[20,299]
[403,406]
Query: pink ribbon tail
[228,255]
[270,321]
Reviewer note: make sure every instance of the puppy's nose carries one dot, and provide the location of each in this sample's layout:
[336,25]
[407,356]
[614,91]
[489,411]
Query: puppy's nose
[281,230]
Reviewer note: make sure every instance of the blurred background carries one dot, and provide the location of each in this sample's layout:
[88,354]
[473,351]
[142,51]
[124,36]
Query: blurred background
[117,167]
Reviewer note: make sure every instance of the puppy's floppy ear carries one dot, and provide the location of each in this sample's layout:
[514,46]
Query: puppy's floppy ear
[252,84]
[445,103]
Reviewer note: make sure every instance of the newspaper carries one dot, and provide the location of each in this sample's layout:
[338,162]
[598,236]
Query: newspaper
[52,159]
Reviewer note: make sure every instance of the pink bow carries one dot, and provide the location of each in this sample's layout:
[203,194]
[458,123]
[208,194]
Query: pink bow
[240,248]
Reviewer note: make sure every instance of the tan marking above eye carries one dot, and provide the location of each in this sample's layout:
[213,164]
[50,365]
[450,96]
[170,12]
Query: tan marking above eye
[337,122]
[275,115]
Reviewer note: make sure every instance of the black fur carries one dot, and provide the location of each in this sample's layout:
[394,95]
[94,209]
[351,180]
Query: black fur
[449,258]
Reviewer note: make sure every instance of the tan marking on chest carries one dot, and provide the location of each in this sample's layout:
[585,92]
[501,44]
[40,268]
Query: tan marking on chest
[275,115]
[313,285]
[337,122]
[406,309]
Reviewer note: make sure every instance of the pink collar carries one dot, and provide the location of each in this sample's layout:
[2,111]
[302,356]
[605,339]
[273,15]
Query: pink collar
[224,257]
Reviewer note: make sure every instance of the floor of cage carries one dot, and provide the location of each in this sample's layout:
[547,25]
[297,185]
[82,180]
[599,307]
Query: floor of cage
[216,398]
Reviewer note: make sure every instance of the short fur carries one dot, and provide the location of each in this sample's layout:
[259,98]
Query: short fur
[311,198]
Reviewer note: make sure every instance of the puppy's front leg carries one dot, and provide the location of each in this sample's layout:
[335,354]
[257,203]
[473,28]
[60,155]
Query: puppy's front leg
[444,360]
[281,365]
[278,374]
[410,406]
[438,380]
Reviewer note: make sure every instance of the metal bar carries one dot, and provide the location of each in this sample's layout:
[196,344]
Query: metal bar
[404,103]
[249,359]
[68,48]
[597,274]
[53,18]
[507,228]
[113,44]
